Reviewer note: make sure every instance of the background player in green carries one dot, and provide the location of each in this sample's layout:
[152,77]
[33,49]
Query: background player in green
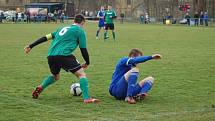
[64,42]
[110,14]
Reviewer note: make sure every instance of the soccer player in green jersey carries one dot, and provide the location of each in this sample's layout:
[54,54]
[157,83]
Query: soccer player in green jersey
[110,14]
[64,42]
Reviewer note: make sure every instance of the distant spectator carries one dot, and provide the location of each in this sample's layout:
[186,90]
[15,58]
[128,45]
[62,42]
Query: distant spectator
[83,12]
[174,20]
[122,16]
[1,17]
[16,16]
[28,16]
[169,17]
[86,13]
[55,16]
[35,18]
[164,19]
[39,18]
[59,14]
[62,16]
[13,17]
[147,19]
[188,17]
[22,17]
[141,19]
[19,17]
[201,18]
[91,13]
[196,18]
[206,18]
[49,16]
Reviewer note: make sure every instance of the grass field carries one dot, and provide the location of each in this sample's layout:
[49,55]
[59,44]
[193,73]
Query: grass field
[184,88]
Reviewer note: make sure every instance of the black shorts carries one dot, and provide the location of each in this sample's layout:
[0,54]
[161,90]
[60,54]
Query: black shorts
[109,26]
[68,63]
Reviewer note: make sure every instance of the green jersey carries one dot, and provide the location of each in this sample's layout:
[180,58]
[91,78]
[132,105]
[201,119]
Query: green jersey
[66,40]
[109,15]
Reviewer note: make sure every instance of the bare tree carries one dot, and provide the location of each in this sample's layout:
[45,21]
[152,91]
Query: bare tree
[78,5]
[213,8]
[147,6]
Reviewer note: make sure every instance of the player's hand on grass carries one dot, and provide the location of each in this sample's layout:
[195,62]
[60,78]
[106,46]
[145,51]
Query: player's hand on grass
[156,56]
[27,49]
[84,66]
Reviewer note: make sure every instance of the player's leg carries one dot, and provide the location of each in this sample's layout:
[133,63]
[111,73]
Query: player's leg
[55,70]
[113,32]
[145,84]
[131,77]
[100,25]
[50,80]
[106,30]
[119,90]
[97,33]
[84,86]
[70,63]
[114,35]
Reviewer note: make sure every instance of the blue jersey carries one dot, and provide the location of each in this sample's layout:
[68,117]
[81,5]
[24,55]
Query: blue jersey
[124,65]
[206,17]
[101,15]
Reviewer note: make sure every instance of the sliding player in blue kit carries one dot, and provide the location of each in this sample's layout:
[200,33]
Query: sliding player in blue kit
[124,84]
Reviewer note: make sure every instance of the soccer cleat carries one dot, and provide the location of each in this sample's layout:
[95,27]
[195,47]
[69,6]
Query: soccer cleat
[130,100]
[141,96]
[97,37]
[91,100]
[106,37]
[36,92]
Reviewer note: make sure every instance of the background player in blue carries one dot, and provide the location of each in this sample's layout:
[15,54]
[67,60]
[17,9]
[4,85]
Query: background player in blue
[124,84]
[101,24]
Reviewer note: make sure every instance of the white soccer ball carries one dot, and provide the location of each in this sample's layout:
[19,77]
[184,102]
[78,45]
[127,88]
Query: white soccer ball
[75,89]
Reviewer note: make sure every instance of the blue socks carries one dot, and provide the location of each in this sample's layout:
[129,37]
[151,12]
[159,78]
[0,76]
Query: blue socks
[146,87]
[131,83]
[97,33]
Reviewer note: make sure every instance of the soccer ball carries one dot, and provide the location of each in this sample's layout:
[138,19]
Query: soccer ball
[75,89]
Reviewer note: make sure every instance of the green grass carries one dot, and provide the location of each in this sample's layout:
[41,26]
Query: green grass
[184,88]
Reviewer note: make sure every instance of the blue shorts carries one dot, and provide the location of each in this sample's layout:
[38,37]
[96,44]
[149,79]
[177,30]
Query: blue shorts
[119,90]
[101,24]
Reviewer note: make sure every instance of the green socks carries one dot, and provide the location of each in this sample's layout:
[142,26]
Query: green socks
[47,82]
[83,84]
[84,88]
[113,33]
[105,35]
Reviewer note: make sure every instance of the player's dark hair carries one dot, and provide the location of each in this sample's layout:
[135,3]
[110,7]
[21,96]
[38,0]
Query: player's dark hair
[135,52]
[79,18]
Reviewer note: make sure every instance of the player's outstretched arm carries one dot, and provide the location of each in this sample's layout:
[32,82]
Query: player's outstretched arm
[142,59]
[28,48]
